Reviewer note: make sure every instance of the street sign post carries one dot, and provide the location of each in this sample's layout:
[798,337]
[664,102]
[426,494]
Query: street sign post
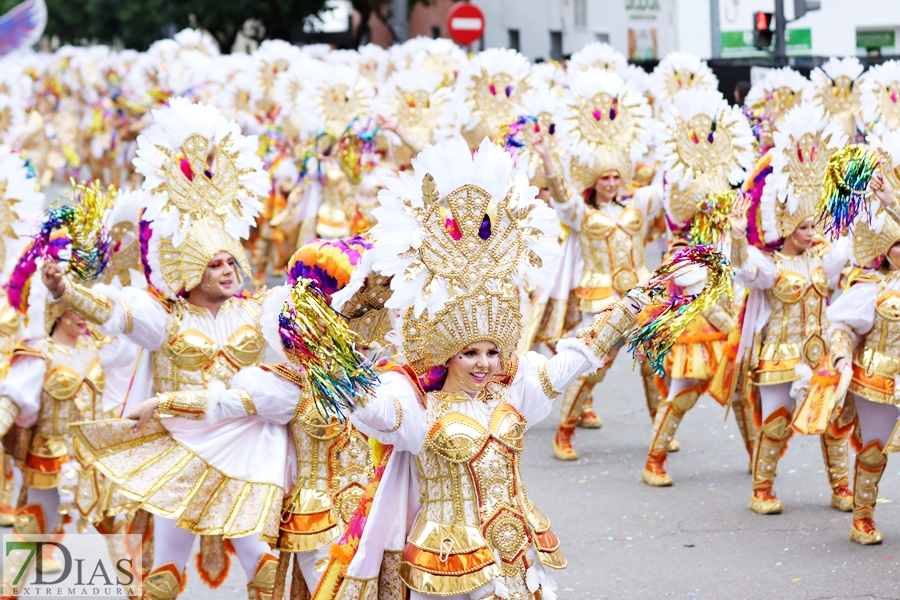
[465,22]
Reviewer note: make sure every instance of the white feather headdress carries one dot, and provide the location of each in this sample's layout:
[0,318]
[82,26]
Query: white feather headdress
[705,145]
[605,124]
[880,97]
[333,96]
[676,72]
[488,94]
[456,284]
[416,100]
[780,90]
[804,142]
[837,86]
[597,55]
[12,119]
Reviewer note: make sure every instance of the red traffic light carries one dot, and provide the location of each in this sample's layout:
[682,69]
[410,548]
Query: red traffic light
[762,21]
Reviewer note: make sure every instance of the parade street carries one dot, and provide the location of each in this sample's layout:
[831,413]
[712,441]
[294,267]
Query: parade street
[697,539]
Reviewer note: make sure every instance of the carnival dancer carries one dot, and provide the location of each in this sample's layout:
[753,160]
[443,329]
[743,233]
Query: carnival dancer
[20,203]
[202,179]
[865,325]
[705,147]
[606,140]
[785,321]
[57,376]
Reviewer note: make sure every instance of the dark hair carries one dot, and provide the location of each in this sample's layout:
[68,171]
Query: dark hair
[742,88]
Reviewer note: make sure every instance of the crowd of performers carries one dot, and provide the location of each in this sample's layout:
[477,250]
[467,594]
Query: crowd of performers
[463,242]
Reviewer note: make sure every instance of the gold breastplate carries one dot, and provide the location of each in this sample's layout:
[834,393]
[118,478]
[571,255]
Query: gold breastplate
[69,395]
[613,250]
[879,353]
[798,318]
[471,485]
[190,359]
[334,463]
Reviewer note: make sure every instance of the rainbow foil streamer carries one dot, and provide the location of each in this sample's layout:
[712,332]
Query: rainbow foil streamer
[655,337]
[844,189]
[711,220]
[509,136]
[317,340]
[356,150]
[85,223]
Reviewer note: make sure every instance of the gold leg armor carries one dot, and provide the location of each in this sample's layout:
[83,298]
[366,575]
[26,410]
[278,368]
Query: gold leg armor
[653,396]
[773,439]
[665,424]
[163,583]
[262,586]
[573,403]
[870,464]
[7,510]
[743,416]
[836,452]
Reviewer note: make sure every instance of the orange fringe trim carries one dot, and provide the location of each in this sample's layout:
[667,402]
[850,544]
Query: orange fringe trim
[212,583]
[229,547]
[660,384]
[700,338]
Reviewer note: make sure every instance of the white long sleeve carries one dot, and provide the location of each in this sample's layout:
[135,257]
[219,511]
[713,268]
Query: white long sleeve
[23,384]
[758,272]
[854,310]
[564,368]
[148,317]
[835,259]
[274,398]
[393,414]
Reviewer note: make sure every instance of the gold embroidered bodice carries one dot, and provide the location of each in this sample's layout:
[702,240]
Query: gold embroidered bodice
[334,464]
[201,348]
[798,301]
[9,334]
[879,353]
[73,388]
[612,246]
[472,494]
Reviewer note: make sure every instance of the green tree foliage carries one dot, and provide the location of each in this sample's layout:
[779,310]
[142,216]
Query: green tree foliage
[138,23]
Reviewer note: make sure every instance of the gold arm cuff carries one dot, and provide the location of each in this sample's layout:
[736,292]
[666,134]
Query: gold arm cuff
[129,321]
[399,409]
[841,345]
[558,188]
[719,318]
[739,254]
[190,405]
[247,401]
[546,384]
[9,410]
[87,304]
[607,328]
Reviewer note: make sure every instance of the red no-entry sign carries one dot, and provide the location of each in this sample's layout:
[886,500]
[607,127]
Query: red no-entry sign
[465,21]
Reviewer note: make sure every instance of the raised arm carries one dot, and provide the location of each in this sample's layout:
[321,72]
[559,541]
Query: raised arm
[130,312]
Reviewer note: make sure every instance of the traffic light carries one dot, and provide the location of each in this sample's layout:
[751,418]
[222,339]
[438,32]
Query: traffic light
[801,7]
[762,30]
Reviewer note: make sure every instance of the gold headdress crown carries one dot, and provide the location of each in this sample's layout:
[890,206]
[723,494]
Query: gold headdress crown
[870,242]
[461,243]
[837,89]
[804,142]
[880,97]
[607,125]
[202,180]
[706,147]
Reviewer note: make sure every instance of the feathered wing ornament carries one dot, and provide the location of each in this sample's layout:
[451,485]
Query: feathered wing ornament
[22,26]
[705,146]
[805,141]
[880,98]
[606,124]
[837,86]
[461,239]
